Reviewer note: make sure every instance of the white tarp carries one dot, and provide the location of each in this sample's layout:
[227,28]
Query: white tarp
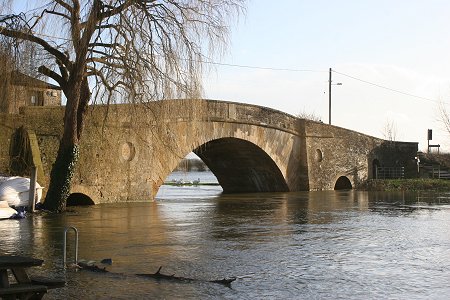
[6,212]
[15,190]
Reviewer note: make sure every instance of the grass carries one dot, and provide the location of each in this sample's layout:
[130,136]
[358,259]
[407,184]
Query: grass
[419,184]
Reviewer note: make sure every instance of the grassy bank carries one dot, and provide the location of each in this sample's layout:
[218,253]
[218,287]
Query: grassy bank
[419,184]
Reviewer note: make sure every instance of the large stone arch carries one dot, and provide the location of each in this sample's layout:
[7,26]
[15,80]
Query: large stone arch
[244,156]
[241,166]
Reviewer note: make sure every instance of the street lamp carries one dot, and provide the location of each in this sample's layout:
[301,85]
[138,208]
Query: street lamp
[329,97]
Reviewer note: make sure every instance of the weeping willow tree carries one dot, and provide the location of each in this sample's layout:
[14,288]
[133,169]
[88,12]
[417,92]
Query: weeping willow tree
[113,51]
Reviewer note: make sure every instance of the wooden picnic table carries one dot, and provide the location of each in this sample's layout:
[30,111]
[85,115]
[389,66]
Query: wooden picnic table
[23,288]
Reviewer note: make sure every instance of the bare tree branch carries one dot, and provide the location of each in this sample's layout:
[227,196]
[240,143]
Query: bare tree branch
[65,5]
[32,38]
[444,116]
[46,71]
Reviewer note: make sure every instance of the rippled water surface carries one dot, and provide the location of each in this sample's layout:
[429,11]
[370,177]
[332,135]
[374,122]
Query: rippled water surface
[310,245]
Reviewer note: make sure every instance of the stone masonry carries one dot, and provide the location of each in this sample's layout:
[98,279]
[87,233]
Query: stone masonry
[128,151]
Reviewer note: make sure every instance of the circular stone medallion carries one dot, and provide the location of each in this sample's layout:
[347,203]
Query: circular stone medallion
[128,151]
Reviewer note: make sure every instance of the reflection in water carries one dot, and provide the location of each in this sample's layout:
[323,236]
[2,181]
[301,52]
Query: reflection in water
[321,245]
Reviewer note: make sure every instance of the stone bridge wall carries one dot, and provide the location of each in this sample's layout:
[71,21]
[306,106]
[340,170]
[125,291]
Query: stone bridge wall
[126,155]
[334,152]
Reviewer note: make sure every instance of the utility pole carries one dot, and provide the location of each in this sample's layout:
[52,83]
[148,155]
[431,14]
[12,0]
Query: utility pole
[329,96]
[329,99]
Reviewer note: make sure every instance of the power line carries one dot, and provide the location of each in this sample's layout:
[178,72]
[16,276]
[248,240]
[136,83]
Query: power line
[340,73]
[261,68]
[51,36]
[386,88]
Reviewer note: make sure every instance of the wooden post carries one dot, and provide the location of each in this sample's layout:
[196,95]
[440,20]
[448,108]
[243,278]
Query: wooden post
[32,193]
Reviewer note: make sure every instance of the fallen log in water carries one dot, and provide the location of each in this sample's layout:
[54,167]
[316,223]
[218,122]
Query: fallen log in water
[159,275]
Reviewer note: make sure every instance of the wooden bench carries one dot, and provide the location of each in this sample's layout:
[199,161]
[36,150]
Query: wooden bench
[23,287]
[23,291]
[50,283]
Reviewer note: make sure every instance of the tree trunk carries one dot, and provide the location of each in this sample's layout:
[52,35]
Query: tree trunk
[68,152]
[61,177]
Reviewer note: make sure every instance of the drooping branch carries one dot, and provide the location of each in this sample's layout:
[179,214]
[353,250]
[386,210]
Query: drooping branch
[33,38]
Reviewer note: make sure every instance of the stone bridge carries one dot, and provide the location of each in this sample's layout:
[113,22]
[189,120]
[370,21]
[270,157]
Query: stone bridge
[128,151]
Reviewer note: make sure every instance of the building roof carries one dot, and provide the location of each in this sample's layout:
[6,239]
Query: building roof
[19,78]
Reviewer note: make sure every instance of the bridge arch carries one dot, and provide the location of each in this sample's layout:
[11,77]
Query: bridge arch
[241,166]
[343,183]
[76,199]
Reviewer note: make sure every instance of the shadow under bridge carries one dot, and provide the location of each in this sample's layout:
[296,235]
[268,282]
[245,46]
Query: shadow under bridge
[241,166]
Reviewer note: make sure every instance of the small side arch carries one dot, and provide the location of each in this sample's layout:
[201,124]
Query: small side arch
[343,183]
[79,199]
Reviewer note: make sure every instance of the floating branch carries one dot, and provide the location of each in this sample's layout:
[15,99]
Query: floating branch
[159,275]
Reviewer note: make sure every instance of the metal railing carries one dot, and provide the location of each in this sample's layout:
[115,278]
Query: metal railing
[390,172]
[65,245]
[436,171]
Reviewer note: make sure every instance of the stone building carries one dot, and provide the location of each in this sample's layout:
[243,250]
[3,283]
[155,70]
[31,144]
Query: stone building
[18,90]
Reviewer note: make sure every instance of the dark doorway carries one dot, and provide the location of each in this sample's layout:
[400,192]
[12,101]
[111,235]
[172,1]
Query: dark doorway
[375,165]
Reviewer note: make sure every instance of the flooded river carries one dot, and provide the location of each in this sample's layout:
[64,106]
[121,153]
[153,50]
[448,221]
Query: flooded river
[305,245]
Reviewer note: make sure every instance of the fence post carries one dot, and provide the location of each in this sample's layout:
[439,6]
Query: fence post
[32,192]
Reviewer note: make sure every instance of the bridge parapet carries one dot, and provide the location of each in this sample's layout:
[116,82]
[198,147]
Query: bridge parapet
[251,114]
[185,110]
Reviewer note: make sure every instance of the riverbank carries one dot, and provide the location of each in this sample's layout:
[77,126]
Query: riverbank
[416,184]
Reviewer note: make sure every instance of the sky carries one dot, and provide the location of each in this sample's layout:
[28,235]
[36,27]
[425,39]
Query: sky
[373,47]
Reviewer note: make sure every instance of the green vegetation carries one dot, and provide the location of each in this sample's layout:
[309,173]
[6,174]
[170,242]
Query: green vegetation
[418,184]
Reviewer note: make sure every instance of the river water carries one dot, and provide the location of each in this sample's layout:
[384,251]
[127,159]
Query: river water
[305,245]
